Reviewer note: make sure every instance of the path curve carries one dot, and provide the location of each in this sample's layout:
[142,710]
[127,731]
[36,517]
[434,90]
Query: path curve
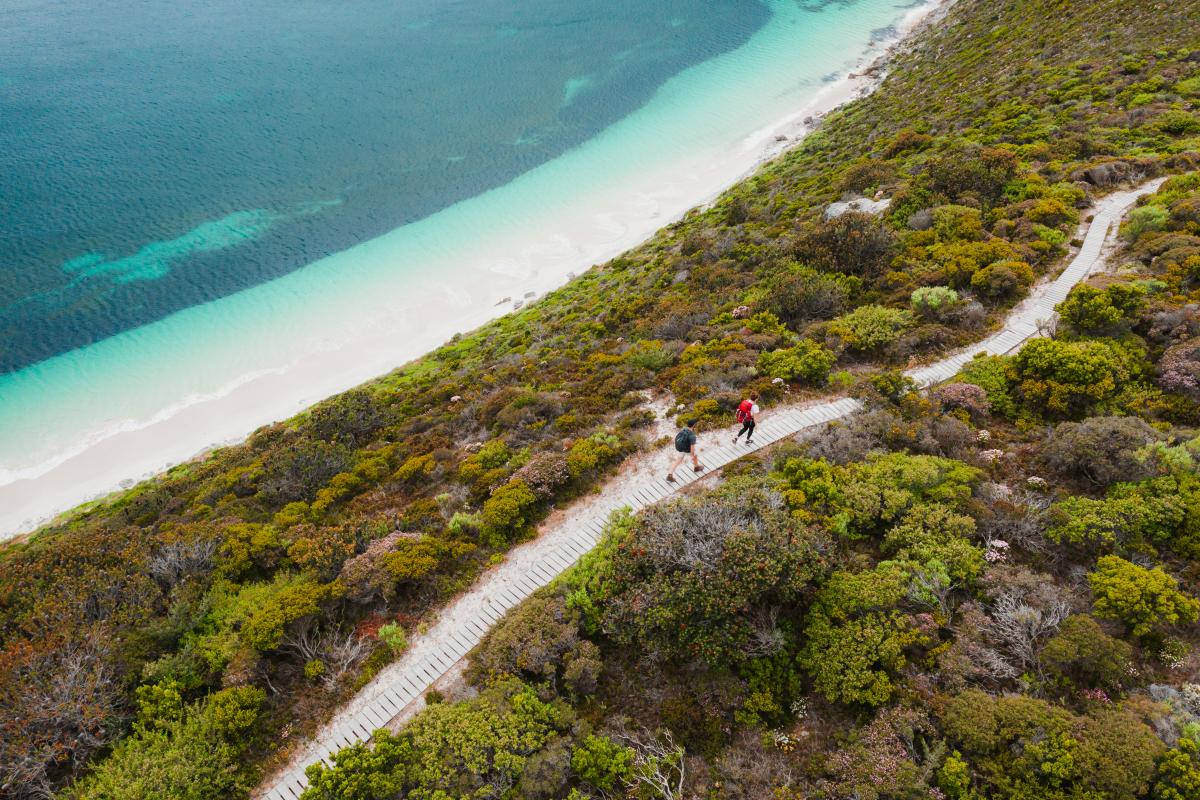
[569,534]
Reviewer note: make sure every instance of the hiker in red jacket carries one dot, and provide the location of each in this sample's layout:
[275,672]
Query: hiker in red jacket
[746,413]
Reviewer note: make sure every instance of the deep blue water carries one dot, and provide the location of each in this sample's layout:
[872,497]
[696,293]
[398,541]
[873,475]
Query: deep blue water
[156,155]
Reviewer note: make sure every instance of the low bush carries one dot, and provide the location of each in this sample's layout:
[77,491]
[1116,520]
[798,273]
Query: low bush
[855,638]
[1071,378]
[934,302]
[1147,600]
[190,754]
[871,327]
[1102,450]
[807,361]
[1002,280]
[507,512]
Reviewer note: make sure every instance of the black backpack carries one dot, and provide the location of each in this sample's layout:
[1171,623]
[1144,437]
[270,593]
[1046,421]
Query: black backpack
[684,440]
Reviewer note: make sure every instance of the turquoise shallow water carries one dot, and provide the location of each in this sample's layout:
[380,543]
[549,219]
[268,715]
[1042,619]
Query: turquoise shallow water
[560,213]
[161,154]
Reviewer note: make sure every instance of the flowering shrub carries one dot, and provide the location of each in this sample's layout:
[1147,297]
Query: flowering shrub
[544,473]
[1179,369]
[967,396]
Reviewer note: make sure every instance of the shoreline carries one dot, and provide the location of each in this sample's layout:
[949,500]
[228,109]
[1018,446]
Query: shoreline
[131,450]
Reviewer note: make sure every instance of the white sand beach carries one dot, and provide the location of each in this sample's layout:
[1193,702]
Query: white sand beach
[306,336]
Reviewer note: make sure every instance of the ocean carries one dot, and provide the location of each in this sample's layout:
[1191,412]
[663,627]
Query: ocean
[198,196]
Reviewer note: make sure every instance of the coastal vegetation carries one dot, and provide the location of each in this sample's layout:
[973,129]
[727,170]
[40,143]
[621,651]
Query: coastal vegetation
[899,608]
[942,597]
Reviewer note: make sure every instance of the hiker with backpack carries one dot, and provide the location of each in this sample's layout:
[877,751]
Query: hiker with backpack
[746,412]
[685,445]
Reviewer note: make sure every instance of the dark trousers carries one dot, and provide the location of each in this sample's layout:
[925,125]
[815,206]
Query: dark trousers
[748,429]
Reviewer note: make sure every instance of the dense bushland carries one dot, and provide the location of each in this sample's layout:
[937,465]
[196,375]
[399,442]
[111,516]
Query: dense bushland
[971,594]
[294,564]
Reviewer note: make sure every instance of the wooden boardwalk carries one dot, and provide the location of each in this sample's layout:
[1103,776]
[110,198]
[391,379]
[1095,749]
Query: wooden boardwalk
[467,620]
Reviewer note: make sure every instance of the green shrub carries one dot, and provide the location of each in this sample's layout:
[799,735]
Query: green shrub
[601,762]
[533,642]
[1083,653]
[1052,212]
[492,456]
[797,295]
[991,373]
[392,635]
[191,756]
[935,532]
[807,361]
[649,354]
[1178,773]
[1103,524]
[1024,748]
[855,638]
[1177,122]
[314,669]
[1071,378]
[764,322]
[1146,600]
[1003,279]
[968,169]
[871,327]
[460,749]
[933,302]
[1097,312]
[954,777]
[255,615]
[957,223]
[506,512]
[684,583]
[593,453]
[416,468]
[1143,220]
[463,525]
[869,497]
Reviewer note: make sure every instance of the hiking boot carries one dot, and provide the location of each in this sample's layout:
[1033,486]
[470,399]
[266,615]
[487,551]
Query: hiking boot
[698,468]
[671,478]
